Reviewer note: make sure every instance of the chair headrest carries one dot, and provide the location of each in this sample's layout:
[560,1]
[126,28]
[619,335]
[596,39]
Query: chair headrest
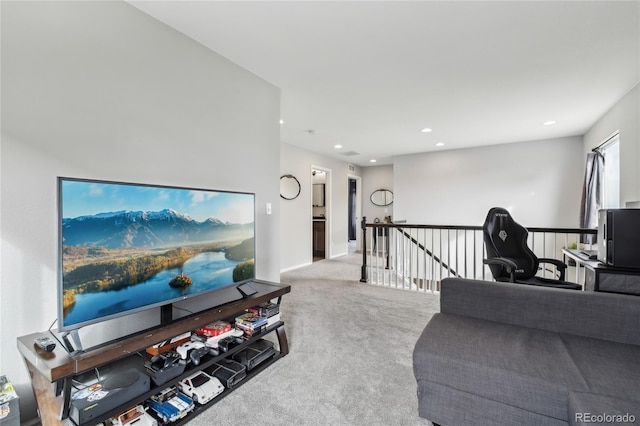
[508,237]
[504,237]
[499,219]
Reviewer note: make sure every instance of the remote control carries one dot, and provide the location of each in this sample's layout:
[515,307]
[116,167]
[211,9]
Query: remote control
[45,343]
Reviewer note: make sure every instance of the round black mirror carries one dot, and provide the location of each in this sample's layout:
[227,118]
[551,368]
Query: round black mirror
[382,197]
[289,187]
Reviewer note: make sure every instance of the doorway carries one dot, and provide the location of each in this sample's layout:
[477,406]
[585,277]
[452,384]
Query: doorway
[353,221]
[320,180]
[354,206]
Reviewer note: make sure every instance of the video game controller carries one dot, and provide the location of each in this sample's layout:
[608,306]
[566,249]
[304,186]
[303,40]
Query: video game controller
[166,359]
[213,351]
[194,350]
[225,344]
[236,334]
[165,366]
[45,343]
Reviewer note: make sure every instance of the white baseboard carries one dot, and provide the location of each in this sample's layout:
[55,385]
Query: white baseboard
[291,268]
[340,255]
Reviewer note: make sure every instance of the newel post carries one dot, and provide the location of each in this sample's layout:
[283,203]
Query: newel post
[363,270]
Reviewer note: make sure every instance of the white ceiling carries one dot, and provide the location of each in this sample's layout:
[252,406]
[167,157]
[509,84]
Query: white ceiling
[369,75]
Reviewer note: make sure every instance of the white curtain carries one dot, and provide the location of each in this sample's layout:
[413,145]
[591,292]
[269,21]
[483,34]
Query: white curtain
[591,194]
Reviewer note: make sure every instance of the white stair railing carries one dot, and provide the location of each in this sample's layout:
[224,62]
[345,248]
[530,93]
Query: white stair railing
[419,257]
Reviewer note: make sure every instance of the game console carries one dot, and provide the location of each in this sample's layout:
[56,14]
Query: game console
[105,395]
[229,372]
[255,354]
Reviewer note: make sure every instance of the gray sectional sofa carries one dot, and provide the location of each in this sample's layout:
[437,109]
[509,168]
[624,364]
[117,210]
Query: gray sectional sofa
[513,354]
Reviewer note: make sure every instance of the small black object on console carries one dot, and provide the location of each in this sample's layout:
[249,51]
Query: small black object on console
[45,343]
[246,289]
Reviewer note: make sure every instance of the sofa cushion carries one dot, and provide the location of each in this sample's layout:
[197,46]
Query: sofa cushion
[610,369]
[606,316]
[590,409]
[522,367]
[447,406]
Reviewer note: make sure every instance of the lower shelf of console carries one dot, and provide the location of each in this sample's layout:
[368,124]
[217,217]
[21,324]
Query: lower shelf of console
[199,409]
[206,363]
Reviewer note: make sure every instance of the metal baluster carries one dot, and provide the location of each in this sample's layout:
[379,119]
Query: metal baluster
[544,251]
[448,252]
[424,261]
[395,268]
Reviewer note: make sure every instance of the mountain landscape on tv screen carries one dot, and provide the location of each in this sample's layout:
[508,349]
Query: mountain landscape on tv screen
[138,229]
[154,255]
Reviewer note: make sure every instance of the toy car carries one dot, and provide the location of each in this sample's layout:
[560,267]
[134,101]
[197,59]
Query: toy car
[171,404]
[201,387]
[137,415]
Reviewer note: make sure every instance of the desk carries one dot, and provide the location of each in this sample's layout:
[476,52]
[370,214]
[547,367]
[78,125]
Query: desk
[604,278]
[581,261]
[600,277]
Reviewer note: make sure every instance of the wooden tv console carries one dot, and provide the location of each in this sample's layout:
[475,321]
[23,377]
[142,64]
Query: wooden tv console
[52,373]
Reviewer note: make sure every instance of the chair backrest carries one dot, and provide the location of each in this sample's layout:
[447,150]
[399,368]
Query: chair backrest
[504,237]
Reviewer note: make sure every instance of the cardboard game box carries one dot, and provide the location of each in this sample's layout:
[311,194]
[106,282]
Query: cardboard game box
[9,404]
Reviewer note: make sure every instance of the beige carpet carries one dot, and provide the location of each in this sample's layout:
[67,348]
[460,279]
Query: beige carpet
[350,355]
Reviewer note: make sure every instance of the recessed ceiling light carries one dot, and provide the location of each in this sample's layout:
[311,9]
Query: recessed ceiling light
[338,146]
[426,130]
[549,123]
[373,160]
[440,144]
[281,121]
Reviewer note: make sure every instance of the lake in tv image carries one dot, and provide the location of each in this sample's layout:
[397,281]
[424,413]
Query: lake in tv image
[128,246]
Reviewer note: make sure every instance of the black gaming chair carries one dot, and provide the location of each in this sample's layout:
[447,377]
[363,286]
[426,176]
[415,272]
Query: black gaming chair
[509,257]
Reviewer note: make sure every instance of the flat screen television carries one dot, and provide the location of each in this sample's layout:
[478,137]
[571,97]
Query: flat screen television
[127,247]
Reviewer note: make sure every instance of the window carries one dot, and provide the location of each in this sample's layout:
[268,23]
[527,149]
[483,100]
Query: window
[611,176]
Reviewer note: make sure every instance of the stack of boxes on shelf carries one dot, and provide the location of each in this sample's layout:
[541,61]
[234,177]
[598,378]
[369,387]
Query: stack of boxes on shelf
[258,318]
[251,323]
[9,407]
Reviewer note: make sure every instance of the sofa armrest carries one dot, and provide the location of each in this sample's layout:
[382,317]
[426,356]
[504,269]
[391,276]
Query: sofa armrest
[606,316]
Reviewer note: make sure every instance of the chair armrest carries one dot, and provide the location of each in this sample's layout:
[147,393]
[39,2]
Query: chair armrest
[557,263]
[509,265]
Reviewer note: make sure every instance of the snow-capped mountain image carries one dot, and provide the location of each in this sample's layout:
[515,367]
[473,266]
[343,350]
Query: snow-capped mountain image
[151,229]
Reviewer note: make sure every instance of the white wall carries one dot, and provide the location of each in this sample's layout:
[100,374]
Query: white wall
[296,215]
[373,178]
[625,118]
[538,181]
[101,90]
